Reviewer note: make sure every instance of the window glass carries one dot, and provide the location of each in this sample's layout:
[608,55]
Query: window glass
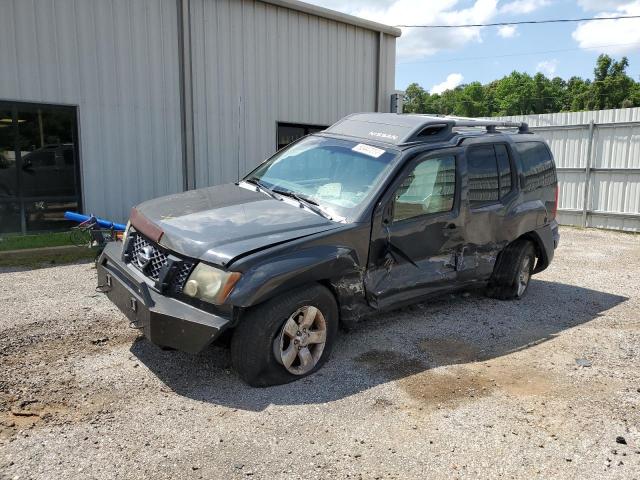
[429,188]
[9,216]
[337,174]
[289,132]
[8,172]
[482,176]
[48,215]
[537,165]
[39,174]
[504,167]
[43,135]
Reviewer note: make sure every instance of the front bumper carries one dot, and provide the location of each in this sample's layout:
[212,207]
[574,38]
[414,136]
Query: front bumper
[165,321]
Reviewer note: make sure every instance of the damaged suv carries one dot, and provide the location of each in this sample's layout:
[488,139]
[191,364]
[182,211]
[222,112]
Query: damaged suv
[377,211]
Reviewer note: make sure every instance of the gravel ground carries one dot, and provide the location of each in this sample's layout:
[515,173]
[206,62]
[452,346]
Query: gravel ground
[461,387]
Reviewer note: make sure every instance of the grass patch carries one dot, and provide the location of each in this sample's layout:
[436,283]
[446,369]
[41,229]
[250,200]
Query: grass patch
[41,240]
[33,260]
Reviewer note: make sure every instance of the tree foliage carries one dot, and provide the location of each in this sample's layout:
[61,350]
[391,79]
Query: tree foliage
[522,94]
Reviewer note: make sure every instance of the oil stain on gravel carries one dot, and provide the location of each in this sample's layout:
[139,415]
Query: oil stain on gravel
[466,373]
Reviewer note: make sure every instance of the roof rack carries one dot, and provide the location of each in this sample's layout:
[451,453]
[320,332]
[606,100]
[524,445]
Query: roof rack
[409,129]
[490,125]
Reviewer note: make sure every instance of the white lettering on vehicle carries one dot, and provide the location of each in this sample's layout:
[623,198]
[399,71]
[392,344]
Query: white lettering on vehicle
[383,135]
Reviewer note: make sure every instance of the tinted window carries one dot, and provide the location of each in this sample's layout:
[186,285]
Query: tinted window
[429,188]
[504,168]
[537,165]
[482,176]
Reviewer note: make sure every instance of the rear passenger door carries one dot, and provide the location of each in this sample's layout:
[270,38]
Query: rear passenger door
[490,194]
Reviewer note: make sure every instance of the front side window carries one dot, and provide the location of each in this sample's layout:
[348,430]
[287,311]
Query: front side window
[429,188]
[338,175]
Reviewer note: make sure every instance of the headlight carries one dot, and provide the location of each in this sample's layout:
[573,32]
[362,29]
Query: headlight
[210,284]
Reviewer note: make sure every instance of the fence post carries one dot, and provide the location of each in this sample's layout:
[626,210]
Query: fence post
[587,175]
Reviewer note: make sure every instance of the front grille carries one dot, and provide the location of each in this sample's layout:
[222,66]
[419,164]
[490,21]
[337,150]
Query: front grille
[158,257]
[149,258]
[181,276]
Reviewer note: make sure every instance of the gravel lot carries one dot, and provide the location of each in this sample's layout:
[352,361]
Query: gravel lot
[461,387]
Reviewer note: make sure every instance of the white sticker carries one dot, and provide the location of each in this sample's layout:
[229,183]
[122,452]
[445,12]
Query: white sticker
[368,150]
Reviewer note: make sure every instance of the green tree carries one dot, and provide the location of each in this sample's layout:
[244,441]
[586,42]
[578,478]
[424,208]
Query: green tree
[519,93]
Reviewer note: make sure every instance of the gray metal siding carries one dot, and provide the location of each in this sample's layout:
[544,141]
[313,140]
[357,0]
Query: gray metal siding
[117,60]
[613,194]
[255,64]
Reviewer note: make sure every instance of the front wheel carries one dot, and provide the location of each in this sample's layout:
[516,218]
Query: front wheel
[285,338]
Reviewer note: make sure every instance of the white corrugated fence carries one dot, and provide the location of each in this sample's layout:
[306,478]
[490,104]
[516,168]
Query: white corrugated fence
[598,159]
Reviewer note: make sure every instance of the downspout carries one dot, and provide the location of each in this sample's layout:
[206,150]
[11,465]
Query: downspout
[378,102]
[186,95]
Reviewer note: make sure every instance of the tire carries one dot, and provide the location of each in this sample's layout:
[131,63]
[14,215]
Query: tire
[268,349]
[512,272]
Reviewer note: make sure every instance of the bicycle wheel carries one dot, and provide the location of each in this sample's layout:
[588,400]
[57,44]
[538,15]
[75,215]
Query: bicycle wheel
[80,238]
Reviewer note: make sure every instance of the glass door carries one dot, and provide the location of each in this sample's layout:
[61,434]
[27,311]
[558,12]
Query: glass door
[39,167]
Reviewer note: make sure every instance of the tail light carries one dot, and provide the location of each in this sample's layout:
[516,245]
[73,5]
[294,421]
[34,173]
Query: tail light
[554,210]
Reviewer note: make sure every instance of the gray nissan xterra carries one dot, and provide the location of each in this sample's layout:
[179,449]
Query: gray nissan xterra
[377,211]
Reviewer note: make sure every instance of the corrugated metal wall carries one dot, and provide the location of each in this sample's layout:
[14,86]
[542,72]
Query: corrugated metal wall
[255,64]
[252,64]
[117,60]
[606,162]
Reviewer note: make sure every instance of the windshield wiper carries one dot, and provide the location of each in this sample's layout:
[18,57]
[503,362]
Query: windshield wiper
[261,187]
[303,199]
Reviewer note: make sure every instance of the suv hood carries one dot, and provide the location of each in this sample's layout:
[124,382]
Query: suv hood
[219,224]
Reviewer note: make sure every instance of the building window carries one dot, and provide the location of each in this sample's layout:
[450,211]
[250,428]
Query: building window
[290,132]
[39,166]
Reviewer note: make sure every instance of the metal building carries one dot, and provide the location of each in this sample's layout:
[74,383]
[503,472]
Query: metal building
[105,103]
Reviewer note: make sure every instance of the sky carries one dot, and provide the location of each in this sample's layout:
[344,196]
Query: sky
[439,59]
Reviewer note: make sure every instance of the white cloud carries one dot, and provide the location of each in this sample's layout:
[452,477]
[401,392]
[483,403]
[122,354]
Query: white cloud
[507,31]
[622,36]
[601,4]
[417,43]
[548,67]
[523,6]
[452,81]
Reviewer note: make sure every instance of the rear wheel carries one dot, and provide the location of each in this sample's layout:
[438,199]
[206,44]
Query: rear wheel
[286,338]
[512,272]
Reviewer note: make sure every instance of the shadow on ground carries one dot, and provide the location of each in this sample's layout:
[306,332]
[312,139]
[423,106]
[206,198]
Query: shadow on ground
[455,329]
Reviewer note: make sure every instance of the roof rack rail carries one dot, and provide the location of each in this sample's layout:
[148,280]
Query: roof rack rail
[490,125]
[410,129]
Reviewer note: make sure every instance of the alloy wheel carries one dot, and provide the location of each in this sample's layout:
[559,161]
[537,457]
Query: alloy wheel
[301,341]
[524,275]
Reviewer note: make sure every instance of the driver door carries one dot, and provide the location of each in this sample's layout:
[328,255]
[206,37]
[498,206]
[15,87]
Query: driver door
[416,233]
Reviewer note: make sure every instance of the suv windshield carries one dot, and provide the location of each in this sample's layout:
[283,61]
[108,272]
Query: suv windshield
[337,175]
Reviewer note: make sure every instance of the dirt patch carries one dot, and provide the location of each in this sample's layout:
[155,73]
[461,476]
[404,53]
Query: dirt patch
[458,384]
[464,380]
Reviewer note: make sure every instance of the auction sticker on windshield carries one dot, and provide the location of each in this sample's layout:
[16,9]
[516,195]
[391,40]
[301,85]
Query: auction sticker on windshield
[368,150]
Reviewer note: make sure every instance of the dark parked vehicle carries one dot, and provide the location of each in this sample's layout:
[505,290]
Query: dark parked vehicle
[377,211]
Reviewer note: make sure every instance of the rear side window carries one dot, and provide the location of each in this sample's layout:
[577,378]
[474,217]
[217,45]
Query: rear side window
[489,173]
[482,171]
[504,169]
[537,165]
